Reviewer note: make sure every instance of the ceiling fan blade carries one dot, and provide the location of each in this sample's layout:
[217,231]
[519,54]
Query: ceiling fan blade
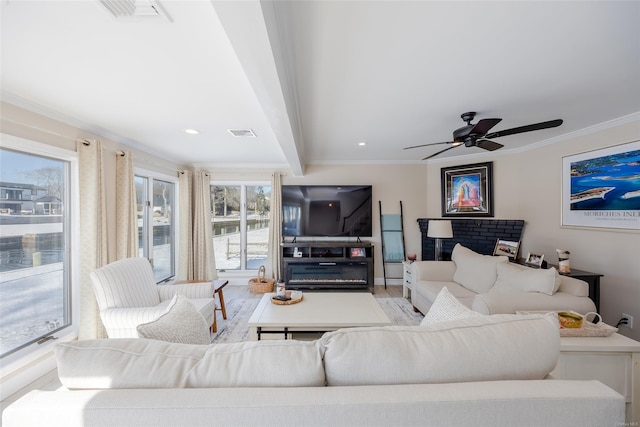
[483,126]
[488,145]
[426,145]
[442,151]
[528,128]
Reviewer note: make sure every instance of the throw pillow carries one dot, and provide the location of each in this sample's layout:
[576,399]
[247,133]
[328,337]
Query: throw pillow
[446,308]
[513,278]
[132,363]
[474,271]
[181,323]
[486,348]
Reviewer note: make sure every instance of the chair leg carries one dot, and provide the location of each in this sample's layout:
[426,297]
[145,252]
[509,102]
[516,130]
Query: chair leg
[214,325]
[222,307]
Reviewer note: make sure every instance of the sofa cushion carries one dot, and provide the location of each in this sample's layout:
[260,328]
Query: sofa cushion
[430,289]
[515,278]
[484,348]
[475,271]
[268,363]
[125,363]
[180,323]
[141,363]
[446,308]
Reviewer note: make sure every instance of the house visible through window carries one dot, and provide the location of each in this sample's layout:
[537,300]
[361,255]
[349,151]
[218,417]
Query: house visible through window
[35,242]
[155,198]
[241,215]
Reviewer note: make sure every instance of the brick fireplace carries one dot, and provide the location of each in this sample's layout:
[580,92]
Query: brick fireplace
[479,235]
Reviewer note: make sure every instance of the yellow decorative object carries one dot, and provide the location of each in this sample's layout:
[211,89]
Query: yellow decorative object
[570,320]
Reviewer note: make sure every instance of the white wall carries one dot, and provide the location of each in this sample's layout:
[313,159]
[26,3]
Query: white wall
[527,185]
[29,125]
[391,185]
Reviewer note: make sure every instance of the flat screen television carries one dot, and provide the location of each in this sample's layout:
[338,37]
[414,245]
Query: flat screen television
[327,210]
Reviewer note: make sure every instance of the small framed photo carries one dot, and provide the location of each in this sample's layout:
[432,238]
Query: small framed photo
[534,260]
[507,248]
[357,253]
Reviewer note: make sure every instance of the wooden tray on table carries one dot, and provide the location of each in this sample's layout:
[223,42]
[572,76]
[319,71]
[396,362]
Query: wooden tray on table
[296,297]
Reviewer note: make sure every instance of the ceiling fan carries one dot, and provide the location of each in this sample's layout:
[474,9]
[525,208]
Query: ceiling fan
[476,135]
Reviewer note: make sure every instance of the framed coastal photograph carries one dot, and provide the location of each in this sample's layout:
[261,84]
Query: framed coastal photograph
[357,252]
[601,188]
[467,190]
[534,260]
[507,248]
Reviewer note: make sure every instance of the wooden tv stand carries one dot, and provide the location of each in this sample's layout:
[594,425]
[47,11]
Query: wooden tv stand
[327,265]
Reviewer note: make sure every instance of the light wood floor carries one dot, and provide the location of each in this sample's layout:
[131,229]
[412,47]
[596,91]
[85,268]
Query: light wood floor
[50,381]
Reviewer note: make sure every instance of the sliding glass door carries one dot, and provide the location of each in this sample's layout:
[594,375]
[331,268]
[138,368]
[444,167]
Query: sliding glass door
[155,197]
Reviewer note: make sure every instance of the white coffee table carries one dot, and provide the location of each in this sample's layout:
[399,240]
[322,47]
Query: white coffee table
[317,312]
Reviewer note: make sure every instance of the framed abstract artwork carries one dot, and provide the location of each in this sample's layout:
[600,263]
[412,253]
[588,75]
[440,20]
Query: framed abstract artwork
[467,190]
[601,188]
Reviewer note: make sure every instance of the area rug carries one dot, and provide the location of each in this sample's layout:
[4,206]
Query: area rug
[235,328]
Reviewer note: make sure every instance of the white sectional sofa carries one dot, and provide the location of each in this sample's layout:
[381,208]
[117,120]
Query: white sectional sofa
[480,371]
[492,285]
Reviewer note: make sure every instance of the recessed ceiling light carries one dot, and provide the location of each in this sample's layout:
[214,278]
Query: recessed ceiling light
[362,143]
[191,131]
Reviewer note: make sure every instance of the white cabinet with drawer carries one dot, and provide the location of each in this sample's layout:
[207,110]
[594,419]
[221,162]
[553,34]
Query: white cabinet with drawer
[407,278]
[613,360]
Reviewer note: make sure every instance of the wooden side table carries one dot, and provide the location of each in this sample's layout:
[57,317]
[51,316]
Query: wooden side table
[217,289]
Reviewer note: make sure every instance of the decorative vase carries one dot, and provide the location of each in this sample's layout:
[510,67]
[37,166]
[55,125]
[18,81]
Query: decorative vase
[563,261]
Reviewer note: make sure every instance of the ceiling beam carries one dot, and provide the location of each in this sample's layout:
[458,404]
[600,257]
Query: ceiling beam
[253,34]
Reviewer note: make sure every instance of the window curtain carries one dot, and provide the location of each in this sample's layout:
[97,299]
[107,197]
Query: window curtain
[93,233]
[185,243]
[275,228]
[204,264]
[126,210]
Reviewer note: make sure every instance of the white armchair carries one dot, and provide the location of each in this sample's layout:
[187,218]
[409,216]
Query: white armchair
[128,296]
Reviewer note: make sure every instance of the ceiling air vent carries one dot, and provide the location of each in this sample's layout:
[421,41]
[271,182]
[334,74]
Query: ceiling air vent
[135,10]
[248,133]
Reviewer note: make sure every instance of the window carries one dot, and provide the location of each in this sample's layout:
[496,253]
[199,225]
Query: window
[155,198]
[36,238]
[241,214]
